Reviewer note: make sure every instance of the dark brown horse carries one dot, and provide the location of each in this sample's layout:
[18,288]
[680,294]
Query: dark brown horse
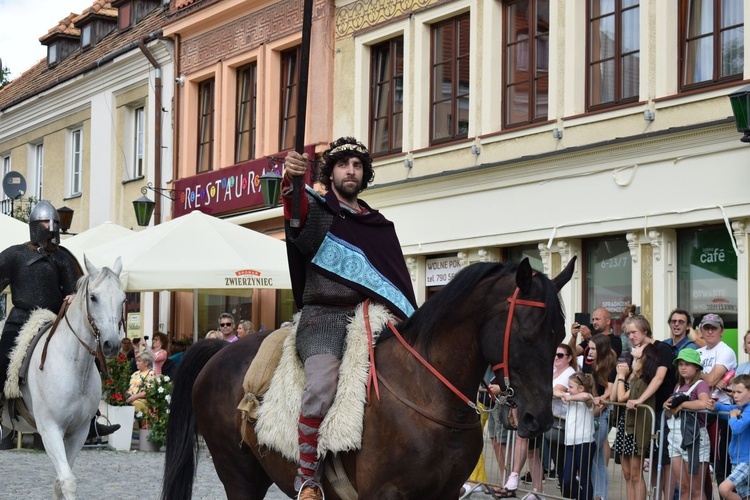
[405,453]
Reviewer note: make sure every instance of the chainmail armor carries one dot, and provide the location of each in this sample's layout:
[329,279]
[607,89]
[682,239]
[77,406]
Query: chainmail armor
[42,283]
[328,304]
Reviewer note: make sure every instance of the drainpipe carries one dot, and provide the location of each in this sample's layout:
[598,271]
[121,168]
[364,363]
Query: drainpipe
[157,147]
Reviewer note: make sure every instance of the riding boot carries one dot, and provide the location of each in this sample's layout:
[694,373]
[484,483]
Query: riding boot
[308,454]
[98,430]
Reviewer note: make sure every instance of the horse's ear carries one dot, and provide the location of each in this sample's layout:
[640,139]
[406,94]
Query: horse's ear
[563,278]
[117,268]
[524,274]
[90,268]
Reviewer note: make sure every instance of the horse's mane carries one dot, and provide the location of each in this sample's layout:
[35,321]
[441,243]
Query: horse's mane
[100,276]
[428,319]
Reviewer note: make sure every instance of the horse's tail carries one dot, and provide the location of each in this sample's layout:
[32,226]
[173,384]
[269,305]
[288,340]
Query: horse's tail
[182,433]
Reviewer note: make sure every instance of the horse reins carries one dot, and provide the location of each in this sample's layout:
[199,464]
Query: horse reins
[505,365]
[95,329]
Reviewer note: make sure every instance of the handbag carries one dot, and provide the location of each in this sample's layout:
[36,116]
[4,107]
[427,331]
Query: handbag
[556,434]
[689,419]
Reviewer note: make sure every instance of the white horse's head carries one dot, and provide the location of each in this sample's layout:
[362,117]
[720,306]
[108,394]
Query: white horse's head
[103,299]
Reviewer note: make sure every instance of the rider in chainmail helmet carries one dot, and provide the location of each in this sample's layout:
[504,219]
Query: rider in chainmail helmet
[343,253]
[41,274]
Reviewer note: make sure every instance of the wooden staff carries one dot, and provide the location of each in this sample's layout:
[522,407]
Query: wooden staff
[299,139]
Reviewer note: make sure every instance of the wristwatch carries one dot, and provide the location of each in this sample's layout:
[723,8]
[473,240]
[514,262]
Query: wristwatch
[621,380]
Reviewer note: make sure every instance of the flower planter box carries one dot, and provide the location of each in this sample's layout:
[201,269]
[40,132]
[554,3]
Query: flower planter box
[143,443]
[125,416]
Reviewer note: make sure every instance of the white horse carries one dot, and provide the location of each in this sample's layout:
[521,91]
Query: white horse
[63,397]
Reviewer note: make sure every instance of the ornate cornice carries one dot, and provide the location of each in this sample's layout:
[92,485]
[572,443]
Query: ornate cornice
[365,14]
[411,265]
[657,241]
[544,253]
[633,245]
[738,229]
[246,33]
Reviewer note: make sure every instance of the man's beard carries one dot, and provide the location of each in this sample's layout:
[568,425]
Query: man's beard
[347,191]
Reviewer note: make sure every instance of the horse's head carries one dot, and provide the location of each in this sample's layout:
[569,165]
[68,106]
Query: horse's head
[531,323]
[103,300]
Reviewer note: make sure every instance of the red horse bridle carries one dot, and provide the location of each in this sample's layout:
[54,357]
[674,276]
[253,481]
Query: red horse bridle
[505,365]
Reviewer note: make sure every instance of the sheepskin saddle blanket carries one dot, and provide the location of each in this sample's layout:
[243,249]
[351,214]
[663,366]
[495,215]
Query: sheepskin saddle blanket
[28,337]
[341,429]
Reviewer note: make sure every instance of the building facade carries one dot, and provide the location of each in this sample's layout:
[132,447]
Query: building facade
[236,94]
[89,126]
[555,129]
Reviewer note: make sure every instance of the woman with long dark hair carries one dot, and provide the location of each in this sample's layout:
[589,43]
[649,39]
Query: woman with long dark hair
[601,361]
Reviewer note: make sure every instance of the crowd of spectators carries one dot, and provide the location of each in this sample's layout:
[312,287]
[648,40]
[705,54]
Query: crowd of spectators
[599,388]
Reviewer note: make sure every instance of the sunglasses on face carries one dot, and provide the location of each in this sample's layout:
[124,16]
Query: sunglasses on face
[560,355]
[225,324]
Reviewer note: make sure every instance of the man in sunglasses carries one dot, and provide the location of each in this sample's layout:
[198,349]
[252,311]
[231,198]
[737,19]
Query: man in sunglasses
[679,329]
[226,327]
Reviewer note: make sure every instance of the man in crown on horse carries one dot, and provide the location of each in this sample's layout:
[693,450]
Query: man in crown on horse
[342,253]
[41,274]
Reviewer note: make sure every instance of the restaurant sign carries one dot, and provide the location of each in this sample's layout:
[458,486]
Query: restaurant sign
[229,189]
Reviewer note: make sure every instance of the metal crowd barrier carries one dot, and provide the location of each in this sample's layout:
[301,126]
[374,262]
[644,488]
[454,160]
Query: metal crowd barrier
[554,477]
[695,471]
[663,479]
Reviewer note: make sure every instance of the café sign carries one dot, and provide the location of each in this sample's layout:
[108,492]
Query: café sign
[227,190]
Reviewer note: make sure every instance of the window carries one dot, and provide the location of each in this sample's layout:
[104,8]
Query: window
[139,141]
[123,15]
[712,42]
[5,162]
[609,279]
[247,92]
[86,36]
[76,161]
[387,96]
[52,54]
[526,61]
[531,252]
[707,275]
[614,52]
[289,82]
[38,171]
[449,116]
[206,125]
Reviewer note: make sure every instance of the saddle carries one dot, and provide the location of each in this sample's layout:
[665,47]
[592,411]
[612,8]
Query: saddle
[277,409]
[39,323]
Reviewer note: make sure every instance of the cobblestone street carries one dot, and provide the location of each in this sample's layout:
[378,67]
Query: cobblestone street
[103,473]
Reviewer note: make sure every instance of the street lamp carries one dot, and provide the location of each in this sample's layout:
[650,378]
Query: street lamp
[144,207]
[66,219]
[270,186]
[740,101]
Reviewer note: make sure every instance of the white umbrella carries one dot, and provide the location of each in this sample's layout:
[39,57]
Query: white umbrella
[12,232]
[94,237]
[198,252]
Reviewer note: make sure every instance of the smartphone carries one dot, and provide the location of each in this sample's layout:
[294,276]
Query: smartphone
[583,318]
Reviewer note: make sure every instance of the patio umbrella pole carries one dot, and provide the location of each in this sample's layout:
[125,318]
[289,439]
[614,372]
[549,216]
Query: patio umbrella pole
[299,138]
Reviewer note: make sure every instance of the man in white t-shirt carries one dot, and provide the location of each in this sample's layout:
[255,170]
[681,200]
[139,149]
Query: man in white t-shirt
[717,358]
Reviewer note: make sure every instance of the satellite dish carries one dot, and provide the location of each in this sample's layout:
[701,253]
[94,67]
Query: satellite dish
[14,185]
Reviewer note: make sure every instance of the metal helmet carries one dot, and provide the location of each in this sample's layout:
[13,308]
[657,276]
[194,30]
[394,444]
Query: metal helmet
[41,235]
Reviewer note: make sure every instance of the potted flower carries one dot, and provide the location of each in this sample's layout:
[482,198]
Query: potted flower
[115,391]
[158,398]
